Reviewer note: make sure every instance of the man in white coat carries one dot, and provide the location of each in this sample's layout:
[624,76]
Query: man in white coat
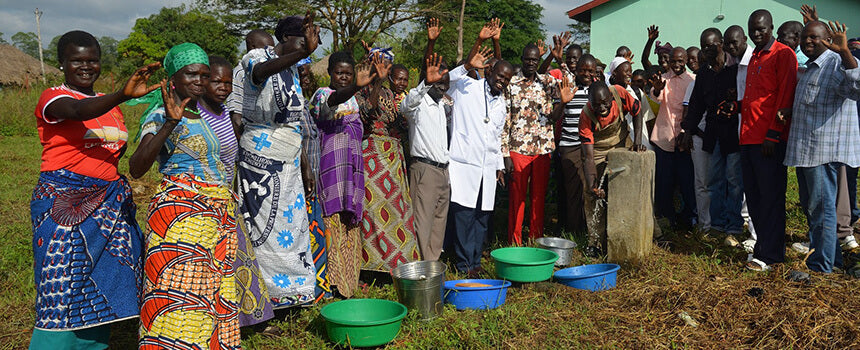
[476,162]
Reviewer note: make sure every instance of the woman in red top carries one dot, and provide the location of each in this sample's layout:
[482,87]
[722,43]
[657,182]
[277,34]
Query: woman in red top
[86,243]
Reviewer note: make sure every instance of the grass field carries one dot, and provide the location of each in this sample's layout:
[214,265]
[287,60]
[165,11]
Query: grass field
[688,272]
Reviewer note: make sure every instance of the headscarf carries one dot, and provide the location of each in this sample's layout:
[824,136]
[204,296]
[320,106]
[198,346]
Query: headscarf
[177,58]
[617,61]
[665,48]
[385,53]
[304,61]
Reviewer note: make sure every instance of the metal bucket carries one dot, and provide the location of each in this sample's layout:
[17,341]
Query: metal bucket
[562,247]
[420,286]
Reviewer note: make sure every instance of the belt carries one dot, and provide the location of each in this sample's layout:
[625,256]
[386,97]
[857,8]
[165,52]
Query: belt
[430,162]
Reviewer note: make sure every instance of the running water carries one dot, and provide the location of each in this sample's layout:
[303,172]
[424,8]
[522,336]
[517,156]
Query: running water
[599,207]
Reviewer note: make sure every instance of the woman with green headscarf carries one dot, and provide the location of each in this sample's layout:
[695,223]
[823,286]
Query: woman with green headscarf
[189,292]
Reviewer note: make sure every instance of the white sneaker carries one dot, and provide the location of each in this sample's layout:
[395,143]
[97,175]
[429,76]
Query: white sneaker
[801,247]
[748,245]
[849,243]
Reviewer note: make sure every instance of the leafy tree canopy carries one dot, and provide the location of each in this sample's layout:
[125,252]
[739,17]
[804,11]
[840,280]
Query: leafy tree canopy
[349,21]
[522,20]
[151,37]
[27,42]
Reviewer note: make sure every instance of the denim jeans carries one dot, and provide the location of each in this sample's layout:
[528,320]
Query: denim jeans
[725,182]
[817,187]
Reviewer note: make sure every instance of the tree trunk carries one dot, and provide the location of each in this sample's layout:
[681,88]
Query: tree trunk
[460,32]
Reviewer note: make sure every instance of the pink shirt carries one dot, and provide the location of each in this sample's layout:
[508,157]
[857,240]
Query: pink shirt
[671,99]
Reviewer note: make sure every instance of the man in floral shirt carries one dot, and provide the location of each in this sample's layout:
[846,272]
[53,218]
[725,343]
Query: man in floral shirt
[527,141]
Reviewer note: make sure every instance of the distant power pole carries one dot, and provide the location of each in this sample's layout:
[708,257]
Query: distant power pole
[460,32]
[39,39]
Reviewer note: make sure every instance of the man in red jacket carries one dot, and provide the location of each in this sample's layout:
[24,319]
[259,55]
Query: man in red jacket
[771,79]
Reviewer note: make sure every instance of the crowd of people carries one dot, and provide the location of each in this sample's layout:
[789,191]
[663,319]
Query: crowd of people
[276,193]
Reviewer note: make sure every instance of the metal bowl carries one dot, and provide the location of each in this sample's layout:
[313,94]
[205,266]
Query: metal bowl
[562,247]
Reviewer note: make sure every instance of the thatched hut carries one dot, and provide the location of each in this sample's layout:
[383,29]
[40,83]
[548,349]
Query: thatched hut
[19,68]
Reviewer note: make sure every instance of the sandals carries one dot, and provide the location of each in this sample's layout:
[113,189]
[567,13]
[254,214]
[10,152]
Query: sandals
[757,265]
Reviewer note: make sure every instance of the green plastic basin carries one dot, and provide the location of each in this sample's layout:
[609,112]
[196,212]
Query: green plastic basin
[363,322]
[524,264]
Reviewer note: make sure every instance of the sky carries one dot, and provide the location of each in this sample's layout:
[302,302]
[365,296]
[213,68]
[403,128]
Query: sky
[115,18]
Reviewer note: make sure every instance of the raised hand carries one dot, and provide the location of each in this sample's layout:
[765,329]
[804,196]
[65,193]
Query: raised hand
[311,32]
[559,43]
[480,57]
[838,39]
[381,65]
[136,85]
[629,57]
[499,25]
[433,74]
[367,47]
[810,14]
[542,47]
[173,111]
[489,30]
[363,75]
[657,83]
[653,32]
[566,90]
[433,29]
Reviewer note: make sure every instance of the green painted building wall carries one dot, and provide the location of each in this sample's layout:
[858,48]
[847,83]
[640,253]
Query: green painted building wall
[625,22]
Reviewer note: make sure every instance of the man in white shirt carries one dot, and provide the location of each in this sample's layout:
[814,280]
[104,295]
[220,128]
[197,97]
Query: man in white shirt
[735,44]
[425,110]
[476,158]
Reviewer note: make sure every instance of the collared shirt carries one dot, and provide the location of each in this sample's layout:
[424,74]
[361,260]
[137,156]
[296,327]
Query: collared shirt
[671,98]
[528,131]
[711,89]
[572,110]
[771,78]
[742,70]
[801,57]
[428,124]
[824,127]
[477,121]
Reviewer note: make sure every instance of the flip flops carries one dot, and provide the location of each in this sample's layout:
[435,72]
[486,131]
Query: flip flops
[757,265]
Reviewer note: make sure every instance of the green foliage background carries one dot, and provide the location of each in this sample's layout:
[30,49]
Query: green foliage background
[153,36]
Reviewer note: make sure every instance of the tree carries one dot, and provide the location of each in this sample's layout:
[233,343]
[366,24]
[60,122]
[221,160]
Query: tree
[349,21]
[580,33]
[109,53]
[151,37]
[50,52]
[27,42]
[3,41]
[522,20]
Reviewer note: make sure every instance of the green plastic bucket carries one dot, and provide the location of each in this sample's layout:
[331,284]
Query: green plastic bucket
[524,264]
[363,322]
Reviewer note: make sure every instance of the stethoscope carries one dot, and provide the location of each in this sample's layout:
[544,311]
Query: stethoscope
[486,104]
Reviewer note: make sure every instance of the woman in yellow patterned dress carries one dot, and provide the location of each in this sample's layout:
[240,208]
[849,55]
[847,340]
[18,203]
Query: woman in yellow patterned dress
[189,293]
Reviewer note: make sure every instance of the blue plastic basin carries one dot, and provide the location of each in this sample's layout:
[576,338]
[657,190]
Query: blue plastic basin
[479,298]
[594,277]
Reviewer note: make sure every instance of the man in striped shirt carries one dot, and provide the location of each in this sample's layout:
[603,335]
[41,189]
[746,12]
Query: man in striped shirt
[569,143]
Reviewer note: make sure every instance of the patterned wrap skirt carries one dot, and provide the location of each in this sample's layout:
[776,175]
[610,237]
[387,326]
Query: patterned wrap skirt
[387,235]
[274,211]
[190,298]
[87,251]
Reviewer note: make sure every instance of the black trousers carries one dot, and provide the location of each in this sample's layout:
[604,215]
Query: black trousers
[765,181]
